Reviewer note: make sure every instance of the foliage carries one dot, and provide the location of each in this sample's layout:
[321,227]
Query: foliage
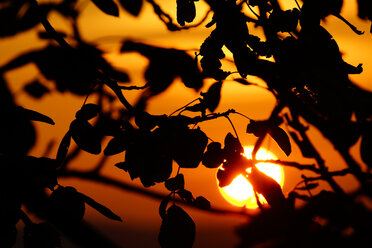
[306,73]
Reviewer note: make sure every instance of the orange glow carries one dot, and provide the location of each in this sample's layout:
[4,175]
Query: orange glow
[240,191]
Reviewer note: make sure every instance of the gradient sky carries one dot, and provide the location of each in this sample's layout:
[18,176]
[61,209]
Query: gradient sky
[141,221]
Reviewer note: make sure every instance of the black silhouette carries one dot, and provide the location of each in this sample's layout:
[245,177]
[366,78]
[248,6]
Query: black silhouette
[307,75]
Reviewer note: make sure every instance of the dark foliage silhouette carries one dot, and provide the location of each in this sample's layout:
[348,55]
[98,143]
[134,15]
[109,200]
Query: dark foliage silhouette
[297,58]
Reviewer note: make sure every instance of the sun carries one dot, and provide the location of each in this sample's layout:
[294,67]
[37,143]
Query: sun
[240,191]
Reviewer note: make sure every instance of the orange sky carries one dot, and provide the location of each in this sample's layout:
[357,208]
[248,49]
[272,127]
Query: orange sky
[140,215]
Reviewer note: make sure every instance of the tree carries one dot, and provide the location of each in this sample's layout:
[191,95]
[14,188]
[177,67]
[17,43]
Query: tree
[298,60]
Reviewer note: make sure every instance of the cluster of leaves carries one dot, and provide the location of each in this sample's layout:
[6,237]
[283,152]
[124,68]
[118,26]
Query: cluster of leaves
[24,182]
[306,74]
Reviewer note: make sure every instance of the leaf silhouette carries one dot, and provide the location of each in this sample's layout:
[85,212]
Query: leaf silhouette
[185,195]
[163,206]
[281,138]
[100,208]
[107,6]
[63,147]
[188,146]
[364,10]
[148,158]
[175,183]
[202,203]
[34,116]
[258,128]
[132,6]
[268,187]
[118,144]
[86,136]
[67,205]
[213,96]
[225,178]
[177,229]
[88,111]
[186,11]
[36,89]
[213,157]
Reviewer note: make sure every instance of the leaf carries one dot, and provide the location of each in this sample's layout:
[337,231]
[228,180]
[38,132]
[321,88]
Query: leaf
[163,206]
[34,116]
[67,205]
[88,111]
[146,121]
[107,6]
[85,136]
[36,89]
[176,183]
[202,203]
[258,128]
[185,195]
[281,138]
[268,187]
[224,178]
[214,156]
[213,96]
[100,208]
[63,148]
[117,144]
[186,11]
[132,6]
[188,146]
[232,146]
[149,158]
[177,229]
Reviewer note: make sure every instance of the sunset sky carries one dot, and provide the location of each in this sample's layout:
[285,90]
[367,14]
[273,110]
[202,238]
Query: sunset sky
[141,221]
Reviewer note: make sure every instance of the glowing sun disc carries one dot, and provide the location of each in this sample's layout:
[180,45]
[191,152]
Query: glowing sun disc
[240,191]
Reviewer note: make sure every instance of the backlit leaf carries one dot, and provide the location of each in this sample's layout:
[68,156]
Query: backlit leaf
[67,205]
[185,195]
[177,229]
[88,111]
[268,187]
[188,146]
[202,203]
[100,208]
[281,138]
[132,6]
[35,116]
[214,156]
[63,147]
[85,136]
[163,206]
[175,183]
[117,144]
[213,96]
[186,11]
[107,6]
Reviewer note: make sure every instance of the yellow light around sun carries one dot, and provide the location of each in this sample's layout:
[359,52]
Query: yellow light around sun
[240,191]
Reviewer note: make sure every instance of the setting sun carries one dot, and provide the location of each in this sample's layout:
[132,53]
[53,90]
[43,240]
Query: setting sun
[240,191]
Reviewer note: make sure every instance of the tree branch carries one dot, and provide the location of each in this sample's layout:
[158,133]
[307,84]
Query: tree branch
[128,187]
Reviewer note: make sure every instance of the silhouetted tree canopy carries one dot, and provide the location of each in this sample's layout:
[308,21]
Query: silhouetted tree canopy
[297,58]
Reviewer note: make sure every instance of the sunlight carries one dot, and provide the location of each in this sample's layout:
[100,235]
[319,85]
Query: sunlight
[240,191]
